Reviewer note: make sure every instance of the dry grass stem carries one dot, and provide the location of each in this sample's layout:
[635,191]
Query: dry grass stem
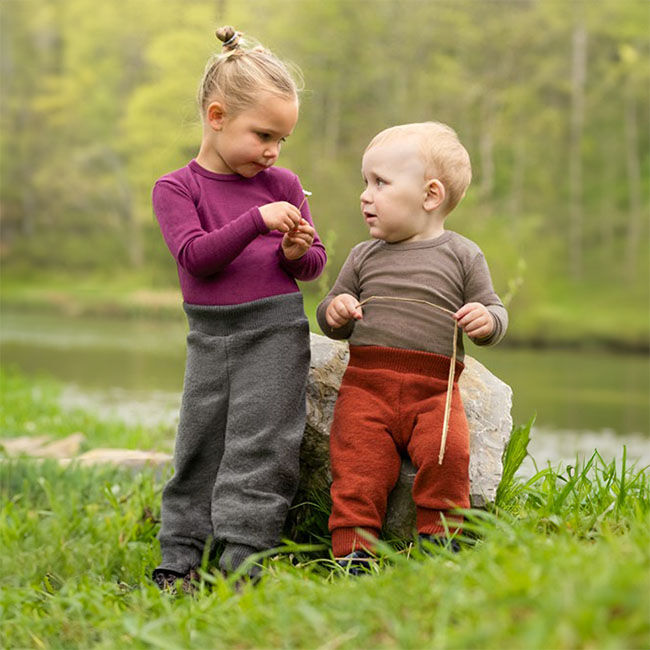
[452,364]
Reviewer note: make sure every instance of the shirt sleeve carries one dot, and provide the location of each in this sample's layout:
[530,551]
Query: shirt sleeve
[199,252]
[346,282]
[311,264]
[478,288]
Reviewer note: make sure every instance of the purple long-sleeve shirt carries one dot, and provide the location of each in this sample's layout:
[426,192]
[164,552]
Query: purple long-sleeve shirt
[213,227]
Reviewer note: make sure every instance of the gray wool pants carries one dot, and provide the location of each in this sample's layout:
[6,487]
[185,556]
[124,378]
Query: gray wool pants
[241,424]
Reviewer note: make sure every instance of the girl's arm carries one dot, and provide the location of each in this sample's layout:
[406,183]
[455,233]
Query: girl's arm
[311,264]
[199,252]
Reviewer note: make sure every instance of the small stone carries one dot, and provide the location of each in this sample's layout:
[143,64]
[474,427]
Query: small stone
[63,448]
[132,458]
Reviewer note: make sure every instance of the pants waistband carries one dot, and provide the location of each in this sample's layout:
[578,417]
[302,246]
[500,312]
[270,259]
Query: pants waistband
[406,361]
[223,320]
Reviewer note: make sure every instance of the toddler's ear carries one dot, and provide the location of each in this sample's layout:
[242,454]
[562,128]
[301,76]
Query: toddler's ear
[216,114]
[435,194]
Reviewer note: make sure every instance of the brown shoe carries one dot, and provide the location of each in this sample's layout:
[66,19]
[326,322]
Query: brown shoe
[166,581]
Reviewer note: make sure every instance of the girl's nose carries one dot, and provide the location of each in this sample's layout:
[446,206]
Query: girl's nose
[364,196]
[272,151]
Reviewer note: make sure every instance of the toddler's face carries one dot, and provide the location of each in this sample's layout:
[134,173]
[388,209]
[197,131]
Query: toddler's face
[393,202]
[251,140]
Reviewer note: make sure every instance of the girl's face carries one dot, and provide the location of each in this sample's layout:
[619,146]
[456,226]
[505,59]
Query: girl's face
[250,141]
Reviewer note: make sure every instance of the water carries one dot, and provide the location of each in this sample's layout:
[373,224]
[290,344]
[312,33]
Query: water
[133,370]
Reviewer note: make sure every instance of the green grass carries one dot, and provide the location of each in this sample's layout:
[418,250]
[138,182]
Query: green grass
[551,568]
[561,561]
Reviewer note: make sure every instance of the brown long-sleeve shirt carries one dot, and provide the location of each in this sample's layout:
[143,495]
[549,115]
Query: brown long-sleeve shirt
[448,271]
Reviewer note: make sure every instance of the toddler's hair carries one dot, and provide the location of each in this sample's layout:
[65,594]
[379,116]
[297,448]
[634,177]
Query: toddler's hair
[237,75]
[444,156]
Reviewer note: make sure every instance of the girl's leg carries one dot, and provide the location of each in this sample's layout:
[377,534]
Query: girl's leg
[186,524]
[258,476]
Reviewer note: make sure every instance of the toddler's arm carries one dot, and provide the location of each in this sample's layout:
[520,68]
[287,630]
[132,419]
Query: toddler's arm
[475,320]
[482,317]
[339,310]
[342,310]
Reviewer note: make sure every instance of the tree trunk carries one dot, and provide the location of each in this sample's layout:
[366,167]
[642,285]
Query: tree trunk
[517,182]
[486,148]
[578,76]
[633,167]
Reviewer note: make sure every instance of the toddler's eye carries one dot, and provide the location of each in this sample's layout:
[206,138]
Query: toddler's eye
[265,137]
[379,182]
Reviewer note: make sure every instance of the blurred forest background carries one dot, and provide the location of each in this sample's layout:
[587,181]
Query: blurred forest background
[551,98]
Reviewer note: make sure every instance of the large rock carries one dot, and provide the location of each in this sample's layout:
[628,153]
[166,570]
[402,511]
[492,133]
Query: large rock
[487,402]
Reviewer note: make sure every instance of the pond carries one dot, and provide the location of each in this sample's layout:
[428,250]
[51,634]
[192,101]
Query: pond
[133,369]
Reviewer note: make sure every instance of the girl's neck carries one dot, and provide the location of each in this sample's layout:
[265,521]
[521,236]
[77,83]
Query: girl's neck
[210,160]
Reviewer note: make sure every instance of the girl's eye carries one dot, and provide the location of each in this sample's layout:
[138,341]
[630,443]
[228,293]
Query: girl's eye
[379,182]
[265,137]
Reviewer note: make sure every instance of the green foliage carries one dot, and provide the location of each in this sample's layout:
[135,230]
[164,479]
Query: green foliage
[98,102]
[513,457]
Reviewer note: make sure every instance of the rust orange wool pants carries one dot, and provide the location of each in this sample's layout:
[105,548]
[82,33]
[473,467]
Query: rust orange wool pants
[391,403]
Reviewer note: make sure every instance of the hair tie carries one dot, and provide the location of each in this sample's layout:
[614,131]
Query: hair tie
[231,39]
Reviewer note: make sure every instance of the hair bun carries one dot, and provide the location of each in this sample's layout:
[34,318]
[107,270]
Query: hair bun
[229,37]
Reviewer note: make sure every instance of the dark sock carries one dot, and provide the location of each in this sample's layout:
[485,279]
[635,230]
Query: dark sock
[234,555]
[437,540]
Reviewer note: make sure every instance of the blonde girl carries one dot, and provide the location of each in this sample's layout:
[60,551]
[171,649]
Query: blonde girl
[241,234]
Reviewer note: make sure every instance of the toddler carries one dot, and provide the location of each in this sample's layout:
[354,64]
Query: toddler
[392,396]
[241,234]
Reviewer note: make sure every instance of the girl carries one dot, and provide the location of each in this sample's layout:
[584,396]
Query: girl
[241,234]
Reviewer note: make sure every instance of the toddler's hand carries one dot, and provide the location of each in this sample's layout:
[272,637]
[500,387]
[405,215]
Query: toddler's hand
[280,216]
[476,321]
[298,240]
[342,310]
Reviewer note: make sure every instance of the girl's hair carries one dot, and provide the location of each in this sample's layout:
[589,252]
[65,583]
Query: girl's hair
[237,75]
[442,153]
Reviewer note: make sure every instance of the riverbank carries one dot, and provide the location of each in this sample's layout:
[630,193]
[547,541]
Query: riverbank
[573,319]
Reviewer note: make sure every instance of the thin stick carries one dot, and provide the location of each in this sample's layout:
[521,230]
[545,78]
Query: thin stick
[452,365]
[450,390]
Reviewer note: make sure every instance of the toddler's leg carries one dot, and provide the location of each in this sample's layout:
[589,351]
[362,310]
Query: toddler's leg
[365,461]
[186,523]
[259,471]
[437,489]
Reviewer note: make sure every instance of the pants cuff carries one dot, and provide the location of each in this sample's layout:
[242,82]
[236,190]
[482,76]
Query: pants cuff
[346,540]
[437,522]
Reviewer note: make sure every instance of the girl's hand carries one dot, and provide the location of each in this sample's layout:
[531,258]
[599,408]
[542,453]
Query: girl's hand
[342,310]
[475,320]
[298,240]
[280,216]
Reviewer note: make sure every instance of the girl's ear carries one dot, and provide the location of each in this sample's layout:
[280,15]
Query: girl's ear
[435,195]
[216,115]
